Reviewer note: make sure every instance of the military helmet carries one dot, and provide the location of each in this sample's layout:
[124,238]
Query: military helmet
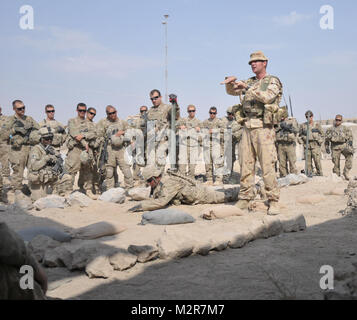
[309,114]
[151,171]
[230,110]
[257,56]
[45,132]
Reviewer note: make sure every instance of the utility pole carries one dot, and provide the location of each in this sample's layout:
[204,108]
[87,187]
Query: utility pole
[166,16]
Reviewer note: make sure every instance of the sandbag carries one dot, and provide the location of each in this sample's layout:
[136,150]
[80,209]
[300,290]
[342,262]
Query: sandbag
[166,217]
[221,212]
[97,230]
[115,195]
[292,180]
[139,194]
[29,233]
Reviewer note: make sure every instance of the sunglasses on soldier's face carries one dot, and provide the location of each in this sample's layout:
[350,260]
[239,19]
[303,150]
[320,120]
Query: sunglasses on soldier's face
[111,113]
[81,110]
[154,98]
[191,111]
[21,108]
[50,111]
[142,111]
[338,120]
[92,113]
[213,113]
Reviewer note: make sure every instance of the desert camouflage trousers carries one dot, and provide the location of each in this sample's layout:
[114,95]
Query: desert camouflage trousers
[10,286]
[73,165]
[188,156]
[18,159]
[116,157]
[336,156]
[4,159]
[213,157]
[314,154]
[287,154]
[258,143]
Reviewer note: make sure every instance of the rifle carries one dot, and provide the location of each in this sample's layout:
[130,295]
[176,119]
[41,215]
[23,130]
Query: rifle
[58,168]
[291,107]
[173,101]
[102,160]
[307,145]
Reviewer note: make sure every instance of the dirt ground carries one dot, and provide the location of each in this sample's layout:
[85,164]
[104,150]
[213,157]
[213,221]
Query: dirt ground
[283,267]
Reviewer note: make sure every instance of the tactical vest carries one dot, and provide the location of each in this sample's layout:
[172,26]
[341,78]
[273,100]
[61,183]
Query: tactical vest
[337,135]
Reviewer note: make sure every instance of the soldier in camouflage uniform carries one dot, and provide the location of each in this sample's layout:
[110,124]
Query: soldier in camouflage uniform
[14,255]
[137,124]
[59,133]
[212,151]
[4,149]
[231,138]
[189,140]
[339,139]
[81,136]
[42,174]
[351,193]
[23,134]
[286,133]
[257,113]
[316,138]
[175,188]
[113,129]
[159,118]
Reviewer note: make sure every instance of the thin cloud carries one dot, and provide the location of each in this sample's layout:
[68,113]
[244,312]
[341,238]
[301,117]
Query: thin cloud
[338,58]
[291,19]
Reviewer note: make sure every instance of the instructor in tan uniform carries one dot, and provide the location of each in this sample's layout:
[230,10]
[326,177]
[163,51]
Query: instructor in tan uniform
[260,98]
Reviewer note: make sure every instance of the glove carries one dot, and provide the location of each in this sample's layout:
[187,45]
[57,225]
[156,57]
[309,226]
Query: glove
[136,208]
[51,159]
[60,130]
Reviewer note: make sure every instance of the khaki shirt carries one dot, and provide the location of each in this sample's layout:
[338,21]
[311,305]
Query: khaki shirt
[233,125]
[4,130]
[285,136]
[189,136]
[338,136]
[162,115]
[29,124]
[316,133]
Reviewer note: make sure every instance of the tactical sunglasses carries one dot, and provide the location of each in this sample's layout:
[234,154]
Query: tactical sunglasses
[21,108]
[154,98]
[213,113]
[142,111]
[111,113]
[92,113]
[190,111]
[82,110]
[50,111]
[338,119]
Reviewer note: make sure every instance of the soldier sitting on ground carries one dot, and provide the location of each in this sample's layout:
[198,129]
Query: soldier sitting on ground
[175,188]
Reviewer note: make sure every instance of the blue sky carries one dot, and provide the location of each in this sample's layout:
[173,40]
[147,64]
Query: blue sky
[112,52]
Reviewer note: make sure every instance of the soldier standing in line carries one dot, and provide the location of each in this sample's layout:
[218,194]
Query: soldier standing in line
[212,152]
[262,95]
[189,139]
[231,138]
[59,132]
[113,130]
[23,134]
[80,154]
[316,138]
[339,139]
[175,188]
[46,169]
[286,134]
[159,118]
[4,149]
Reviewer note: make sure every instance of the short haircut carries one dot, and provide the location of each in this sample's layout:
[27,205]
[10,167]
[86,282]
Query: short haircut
[155,90]
[92,109]
[338,116]
[49,106]
[213,108]
[109,107]
[15,102]
[191,106]
[144,107]
[81,104]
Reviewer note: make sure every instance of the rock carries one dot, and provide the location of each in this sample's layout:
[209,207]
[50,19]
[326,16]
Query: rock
[115,195]
[58,257]
[293,223]
[97,230]
[240,240]
[174,245]
[99,267]
[221,212]
[24,203]
[78,198]
[139,194]
[51,201]
[273,226]
[144,253]
[29,233]
[122,260]
[166,217]
[311,199]
[40,244]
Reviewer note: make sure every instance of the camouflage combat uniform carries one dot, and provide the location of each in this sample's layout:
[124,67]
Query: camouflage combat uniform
[177,189]
[159,119]
[116,151]
[73,164]
[341,140]
[316,138]
[286,134]
[21,139]
[59,133]
[212,150]
[4,147]
[14,255]
[189,142]
[231,137]
[257,114]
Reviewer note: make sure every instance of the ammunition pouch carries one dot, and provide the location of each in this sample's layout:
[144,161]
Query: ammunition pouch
[270,116]
[349,149]
[71,143]
[17,141]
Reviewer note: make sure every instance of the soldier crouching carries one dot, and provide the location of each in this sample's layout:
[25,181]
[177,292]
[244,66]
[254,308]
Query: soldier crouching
[175,188]
[46,168]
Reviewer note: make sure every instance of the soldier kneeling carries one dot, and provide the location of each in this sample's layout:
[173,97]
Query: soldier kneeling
[46,168]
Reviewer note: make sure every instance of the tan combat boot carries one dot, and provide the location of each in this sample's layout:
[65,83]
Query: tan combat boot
[274,208]
[242,204]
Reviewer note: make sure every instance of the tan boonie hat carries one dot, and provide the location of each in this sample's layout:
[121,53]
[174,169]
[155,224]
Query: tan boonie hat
[151,171]
[257,56]
[230,110]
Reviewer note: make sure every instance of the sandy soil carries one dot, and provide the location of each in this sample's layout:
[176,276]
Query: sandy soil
[286,266]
